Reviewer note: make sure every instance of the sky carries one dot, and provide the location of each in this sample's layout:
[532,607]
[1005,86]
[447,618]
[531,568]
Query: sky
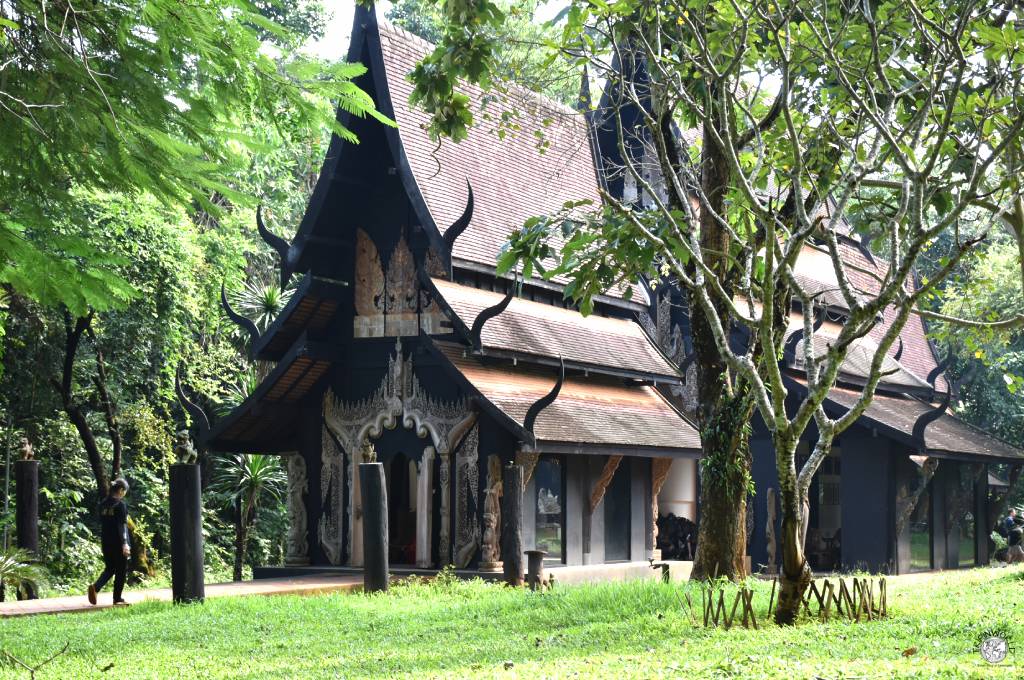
[334,43]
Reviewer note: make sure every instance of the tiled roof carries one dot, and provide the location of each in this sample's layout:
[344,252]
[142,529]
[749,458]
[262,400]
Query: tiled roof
[816,268]
[857,363]
[531,170]
[948,434]
[594,410]
[547,331]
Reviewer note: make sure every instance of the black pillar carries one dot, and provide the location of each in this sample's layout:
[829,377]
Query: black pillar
[375,527]
[187,581]
[26,508]
[981,527]
[512,524]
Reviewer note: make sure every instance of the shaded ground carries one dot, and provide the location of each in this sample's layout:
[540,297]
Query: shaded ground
[476,630]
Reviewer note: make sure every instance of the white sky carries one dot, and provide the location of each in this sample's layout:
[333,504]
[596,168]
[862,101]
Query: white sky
[334,44]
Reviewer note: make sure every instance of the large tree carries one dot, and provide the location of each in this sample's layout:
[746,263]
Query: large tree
[907,112]
[153,96]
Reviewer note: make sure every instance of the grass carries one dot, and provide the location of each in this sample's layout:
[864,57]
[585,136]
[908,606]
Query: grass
[471,629]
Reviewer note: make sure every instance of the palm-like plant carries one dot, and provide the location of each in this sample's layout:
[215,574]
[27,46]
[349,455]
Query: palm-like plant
[244,481]
[18,571]
[262,301]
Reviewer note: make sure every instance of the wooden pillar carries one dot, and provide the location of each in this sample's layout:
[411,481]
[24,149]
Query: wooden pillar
[980,509]
[375,527]
[185,491]
[512,524]
[26,504]
[425,508]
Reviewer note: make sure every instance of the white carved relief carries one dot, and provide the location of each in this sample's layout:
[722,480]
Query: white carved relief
[467,485]
[329,528]
[399,399]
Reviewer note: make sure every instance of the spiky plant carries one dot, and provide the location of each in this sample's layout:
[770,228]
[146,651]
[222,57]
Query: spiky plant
[243,481]
[19,572]
[262,301]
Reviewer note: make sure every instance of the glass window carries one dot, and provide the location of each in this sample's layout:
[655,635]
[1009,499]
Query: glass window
[921,533]
[965,516]
[549,481]
[617,518]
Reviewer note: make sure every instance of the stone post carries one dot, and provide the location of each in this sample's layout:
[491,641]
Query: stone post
[535,569]
[26,508]
[375,527]
[187,579]
[512,524]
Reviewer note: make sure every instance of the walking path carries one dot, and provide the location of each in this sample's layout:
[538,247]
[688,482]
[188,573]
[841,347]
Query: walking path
[298,585]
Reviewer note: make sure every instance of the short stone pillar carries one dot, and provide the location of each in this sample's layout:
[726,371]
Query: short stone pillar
[187,579]
[26,504]
[375,527]
[535,568]
[512,524]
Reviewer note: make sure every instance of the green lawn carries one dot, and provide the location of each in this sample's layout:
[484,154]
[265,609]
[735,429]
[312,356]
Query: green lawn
[475,630]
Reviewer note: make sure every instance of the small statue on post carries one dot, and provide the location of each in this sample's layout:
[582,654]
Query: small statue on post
[184,451]
[27,451]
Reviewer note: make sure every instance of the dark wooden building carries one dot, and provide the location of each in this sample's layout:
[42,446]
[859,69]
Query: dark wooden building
[402,345]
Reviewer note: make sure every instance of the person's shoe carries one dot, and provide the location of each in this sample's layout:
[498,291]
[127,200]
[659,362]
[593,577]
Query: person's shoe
[121,603]
[92,594]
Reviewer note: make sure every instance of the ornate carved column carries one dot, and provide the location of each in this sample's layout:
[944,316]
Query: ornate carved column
[425,508]
[659,473]
[298,525]
[445,546]
[467,477]
[490,548]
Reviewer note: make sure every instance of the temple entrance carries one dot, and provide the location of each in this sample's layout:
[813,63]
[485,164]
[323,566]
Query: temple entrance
[400,471]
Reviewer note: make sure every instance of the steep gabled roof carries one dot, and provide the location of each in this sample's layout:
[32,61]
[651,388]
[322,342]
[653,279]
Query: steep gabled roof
[516,173]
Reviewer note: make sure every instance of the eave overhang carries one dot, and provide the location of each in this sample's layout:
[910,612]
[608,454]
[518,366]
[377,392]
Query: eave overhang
[310,310]
[267,421]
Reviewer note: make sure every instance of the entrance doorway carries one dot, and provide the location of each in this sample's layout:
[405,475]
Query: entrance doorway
[400,473]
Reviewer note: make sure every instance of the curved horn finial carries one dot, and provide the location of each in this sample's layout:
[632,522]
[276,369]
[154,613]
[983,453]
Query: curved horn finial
[546,400]
[460,225]
[942,366]
[929,417]
[243,322]
[198,415]
[486,315]
[282,247]
[899,352]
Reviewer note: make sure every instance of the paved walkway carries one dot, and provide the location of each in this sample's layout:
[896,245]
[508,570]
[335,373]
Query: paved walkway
[298,585]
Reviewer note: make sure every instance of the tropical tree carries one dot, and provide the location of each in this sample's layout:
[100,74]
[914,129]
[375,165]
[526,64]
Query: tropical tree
[795,105]
[244,481]
[140,96]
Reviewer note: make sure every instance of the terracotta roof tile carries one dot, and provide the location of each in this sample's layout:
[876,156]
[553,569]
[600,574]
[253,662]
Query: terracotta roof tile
[594,410]
[513,179]
[548,331]
[816,268]
[948,434]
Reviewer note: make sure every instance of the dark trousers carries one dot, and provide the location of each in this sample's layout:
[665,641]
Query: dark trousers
[114,564]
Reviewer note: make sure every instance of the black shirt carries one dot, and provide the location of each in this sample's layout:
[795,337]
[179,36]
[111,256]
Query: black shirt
[114,521]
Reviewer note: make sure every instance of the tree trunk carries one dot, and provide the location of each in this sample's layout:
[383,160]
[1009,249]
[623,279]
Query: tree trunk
[241,539]
[725,474]
[795,574]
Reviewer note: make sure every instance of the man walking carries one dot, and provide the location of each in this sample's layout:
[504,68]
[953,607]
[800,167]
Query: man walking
[114,540]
